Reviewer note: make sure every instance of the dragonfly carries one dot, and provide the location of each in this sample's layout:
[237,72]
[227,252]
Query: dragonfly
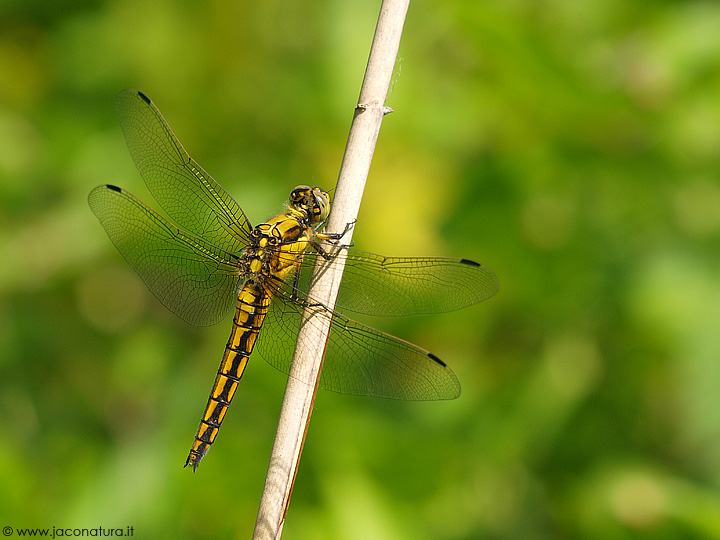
[209,259]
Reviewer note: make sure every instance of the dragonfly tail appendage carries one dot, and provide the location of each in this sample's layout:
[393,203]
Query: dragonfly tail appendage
[251,310]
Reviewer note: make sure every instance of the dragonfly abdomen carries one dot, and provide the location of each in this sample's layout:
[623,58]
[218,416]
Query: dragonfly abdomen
[252,306]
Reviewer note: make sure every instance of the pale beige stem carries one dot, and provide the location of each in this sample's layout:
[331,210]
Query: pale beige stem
[307,361]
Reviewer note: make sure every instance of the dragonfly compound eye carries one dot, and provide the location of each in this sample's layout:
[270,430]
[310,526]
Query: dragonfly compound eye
[299,196]
[321,205]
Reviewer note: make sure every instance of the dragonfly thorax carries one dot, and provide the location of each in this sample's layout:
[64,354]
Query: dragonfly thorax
[275,246]
[313,204]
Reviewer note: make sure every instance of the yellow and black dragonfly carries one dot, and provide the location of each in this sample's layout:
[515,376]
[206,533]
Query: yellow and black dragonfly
[210,258]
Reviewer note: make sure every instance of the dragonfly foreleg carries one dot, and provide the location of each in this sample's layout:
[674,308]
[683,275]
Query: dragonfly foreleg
[334,237]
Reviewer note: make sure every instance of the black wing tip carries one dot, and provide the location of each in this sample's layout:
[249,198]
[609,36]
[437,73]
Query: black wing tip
[494,278]
[144,97]
[451,390]
[431,356]
[113,188]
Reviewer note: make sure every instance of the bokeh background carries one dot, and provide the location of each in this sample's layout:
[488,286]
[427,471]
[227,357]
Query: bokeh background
[572,147]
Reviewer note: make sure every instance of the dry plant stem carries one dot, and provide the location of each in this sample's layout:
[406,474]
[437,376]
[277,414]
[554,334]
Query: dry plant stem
[307,362]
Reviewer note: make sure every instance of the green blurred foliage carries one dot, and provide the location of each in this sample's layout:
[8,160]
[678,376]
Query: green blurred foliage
[570,146]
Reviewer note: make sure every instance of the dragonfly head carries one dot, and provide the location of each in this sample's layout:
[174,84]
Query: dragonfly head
[312,202]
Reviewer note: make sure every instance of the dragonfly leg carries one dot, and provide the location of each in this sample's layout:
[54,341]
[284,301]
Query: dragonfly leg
[328,255]
[296,279]
[334,237]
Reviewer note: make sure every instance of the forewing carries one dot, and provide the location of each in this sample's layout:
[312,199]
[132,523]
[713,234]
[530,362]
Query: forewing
[191,277]
[359,360]
[189,195]
[399,286]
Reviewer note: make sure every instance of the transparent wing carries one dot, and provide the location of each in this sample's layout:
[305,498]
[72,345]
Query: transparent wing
[192,278]
[359,360]
[399,286]
[189,195]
